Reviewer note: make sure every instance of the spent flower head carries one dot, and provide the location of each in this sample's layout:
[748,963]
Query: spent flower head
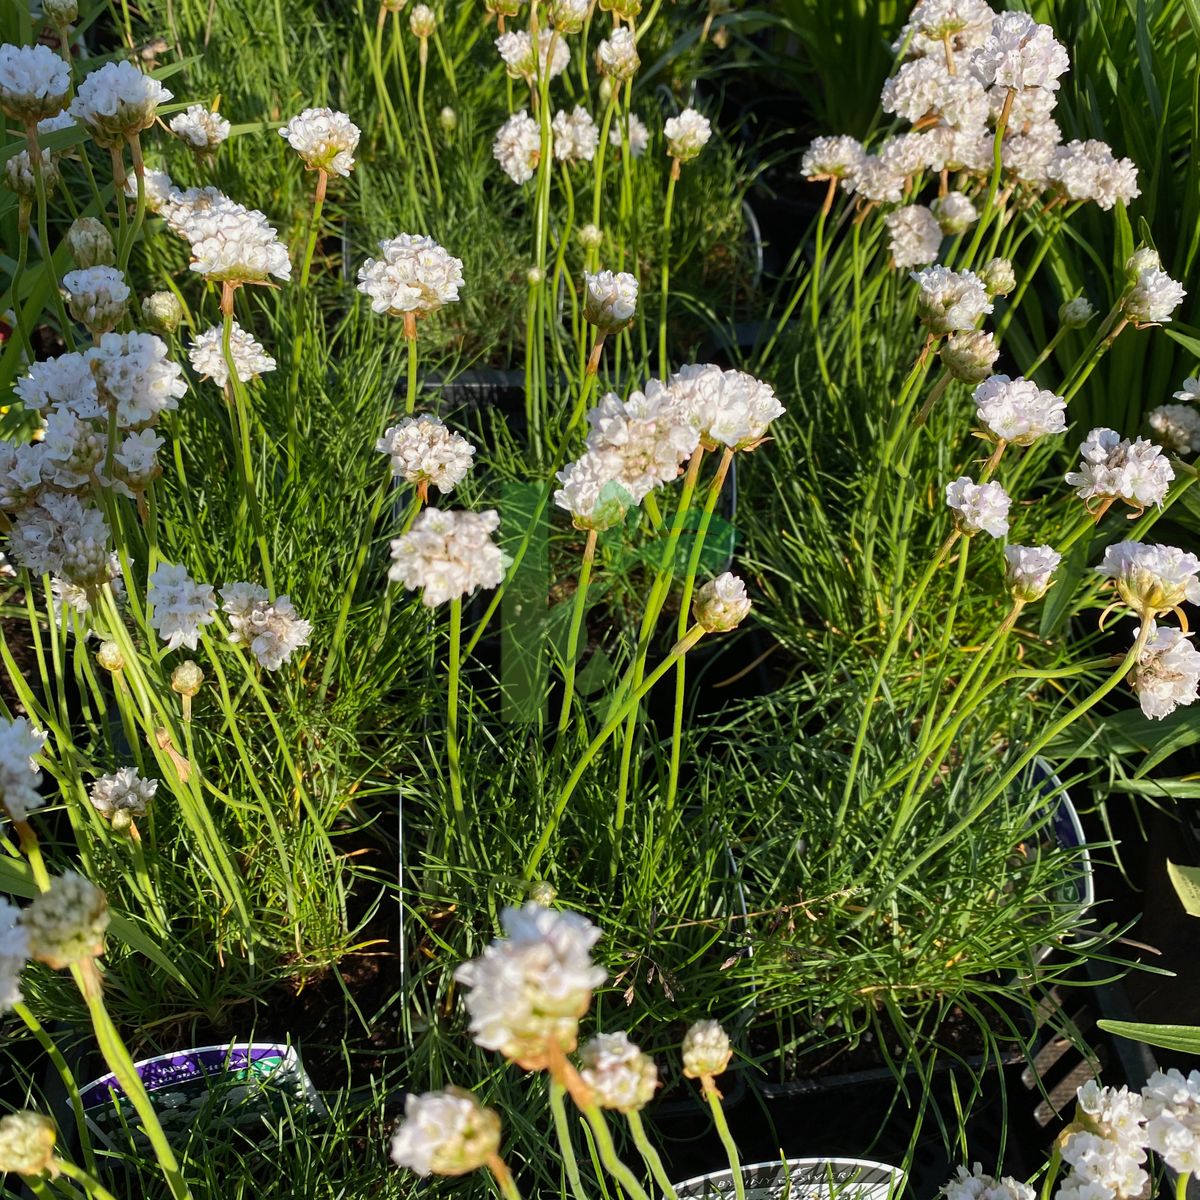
[14,954]
[970,356]
[122,796]
[90,244]
[1076,313]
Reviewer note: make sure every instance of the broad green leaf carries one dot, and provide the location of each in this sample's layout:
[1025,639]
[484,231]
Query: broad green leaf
[1182,1038]
[1186,882]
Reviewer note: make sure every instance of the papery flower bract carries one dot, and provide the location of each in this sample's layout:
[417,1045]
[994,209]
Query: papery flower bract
[832,157]
[1150,577]
[1153,298]
[34,82]
[975,1185]
[116,102]
[324,139]
[1172,1106]
[1115,468]
[1019,53]
[978,507]
[639,135]
[180,605]
[706,1050]
[26,1143]
[915,236]
[1090,171]
[14,954]
[1017,410]
[950,300]
[96,297]
[207,355]
[518,146]
[423,451]
[124,792]
[526,992]
[610,300]
[620,1076]
[133,371]
[575,136]
[445,1133]
[200,128]
[969,356]
[650,434]
[687,134]
[592,491]
[721,604]
[568,16]
[954,212]
[415,275]
[1028,570]
[727,408]
[448,554]
[1189,391]
[66,924]
[617,55]
[20,776]
[270,628]
[1177,426]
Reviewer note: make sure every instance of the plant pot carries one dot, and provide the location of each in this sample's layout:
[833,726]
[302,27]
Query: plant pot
[801,1179]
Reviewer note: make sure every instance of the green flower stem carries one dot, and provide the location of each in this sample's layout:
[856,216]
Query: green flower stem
[139,211]
[856,307]
[1048,350]
[735,1165]
[1181,1185]
[579,607]
[410,334]
[423,117]
[814,294]
[893,643]
[650,1154]
[53,1053]
[87,978]
[960,577]
[1014,772]
[375,52]
[86,1179]
[145,885]
[452,757]
[566,1147]
[993,183]
[39,178]
[664,368]
[1027,278]
[1051,1173]
[685,605]
[23,214]
[117,157]
[246,458]
[598,172]
[608,1154]
[677,651]
[314,227]
[1093,361]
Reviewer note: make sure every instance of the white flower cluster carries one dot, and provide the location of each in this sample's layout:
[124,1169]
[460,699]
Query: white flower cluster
[620,1075]
[117,102]
[915,236]
[832,158]
[639,135]
[1153,297]
[687,134]
[609,300]
[706,1050]
[516,49]
[575,136]
[1166,675]
[448,554]
[1177,427]
[180,606]
[1172,1109]
[122,795]
[975,1185]
[1018,411]
[617,55]
[978,507]
[14,954]
[423,451]
[1152,578]
[20,776]
[200,128]
[526,992]
[1115,468]
[727,408]
[518,146]
[445,1133]
[950,300]
[1090,171]
[721,604]
[230,243]
[34,82]
[66,924]
[1029,570]
[415,275]
[96,297]
[270,628]
[324,139]
[969,355]
[207,355]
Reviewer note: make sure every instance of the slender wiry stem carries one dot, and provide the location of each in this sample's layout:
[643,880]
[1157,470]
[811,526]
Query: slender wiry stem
[85,1179]
[423,117]
[24,210]
[566,1147]
[993,183]
[663,364]
[735,1165]
[650,1154]
[452,758]
[578,609]
[410,333]
[314,228]
[39,178]
[608,1154]
[495,1164]
[139,211]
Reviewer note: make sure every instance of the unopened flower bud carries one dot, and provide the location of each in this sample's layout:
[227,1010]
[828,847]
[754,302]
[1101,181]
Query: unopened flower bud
[720,37]
[970,356]
[590,236]
[66,925]
[706,1050]
[1028,570]
[187,678]
[19,174]
[445,1133]
[617,56]
[535,276]
[90,244]
[1145,259]
[609,300]
[1075,314]
[606,90]
[503,8]
[568,16]
[543,892]
[26,1143]
[721,604]
[393,6]
[998,277]
[109,656]
[60,12]
[422,21]
[162,312]
[448,119]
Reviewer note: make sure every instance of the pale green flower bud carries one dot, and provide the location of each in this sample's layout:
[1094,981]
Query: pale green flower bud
[448,119]
[970,356]
[590,236]
[109,656]
[90,244]
[535,276]
[60,12]
[162,312]
[186,679]
[422,21]
[721,604]
[1075,314]
[706,1050]
[543,892]
[998,277]
[1144,259]
[26,1143]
